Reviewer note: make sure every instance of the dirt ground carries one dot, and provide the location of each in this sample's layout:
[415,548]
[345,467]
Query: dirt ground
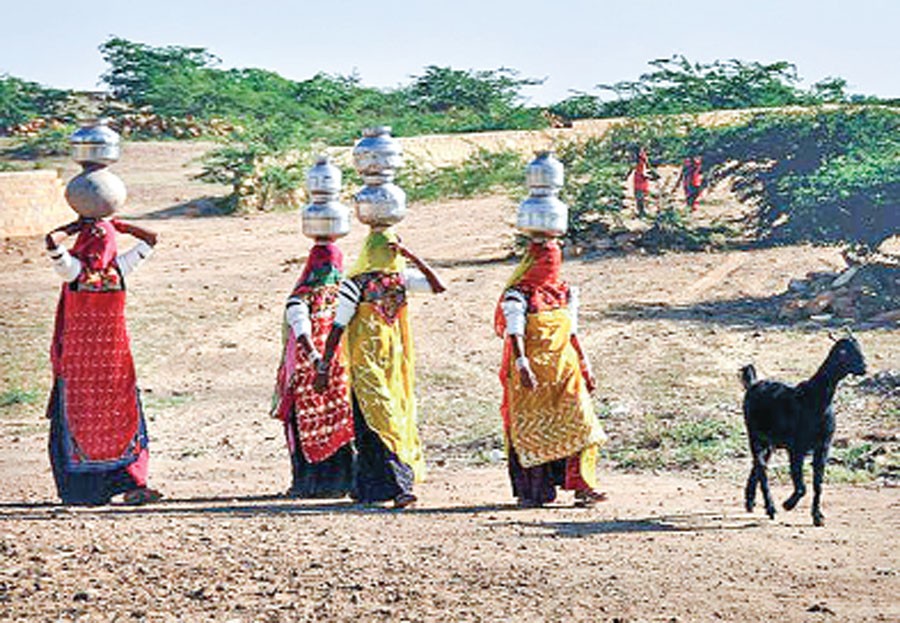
[667,334]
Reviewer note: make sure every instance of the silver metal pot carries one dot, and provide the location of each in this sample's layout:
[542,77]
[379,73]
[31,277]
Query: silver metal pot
[542,213]
[329,220]
[325,217]
[96,193]
[95,143]
[380,206]
[323,178]
[543,216]
[545,171]
[378,153]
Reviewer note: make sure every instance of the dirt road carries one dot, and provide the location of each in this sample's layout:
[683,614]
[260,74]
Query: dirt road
[667,335]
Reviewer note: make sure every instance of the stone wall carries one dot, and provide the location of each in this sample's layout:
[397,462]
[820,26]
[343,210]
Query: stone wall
[32,203]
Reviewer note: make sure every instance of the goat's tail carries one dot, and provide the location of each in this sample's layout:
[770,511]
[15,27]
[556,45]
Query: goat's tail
[748,376]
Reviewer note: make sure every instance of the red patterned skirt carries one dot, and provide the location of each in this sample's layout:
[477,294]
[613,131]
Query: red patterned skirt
[324,421]
[98,442]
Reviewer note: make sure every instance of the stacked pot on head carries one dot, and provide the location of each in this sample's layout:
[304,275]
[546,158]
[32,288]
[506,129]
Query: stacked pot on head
[542,214]
[377,156]
[325,219]
[96,192]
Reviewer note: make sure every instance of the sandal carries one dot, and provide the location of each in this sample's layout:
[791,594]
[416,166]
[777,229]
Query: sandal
[588,497]
[139,497]
[404,500]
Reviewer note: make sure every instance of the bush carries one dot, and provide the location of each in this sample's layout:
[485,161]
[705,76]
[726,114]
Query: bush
[49,141]
[821,175]
[481,173]
[264,164]
[21,101]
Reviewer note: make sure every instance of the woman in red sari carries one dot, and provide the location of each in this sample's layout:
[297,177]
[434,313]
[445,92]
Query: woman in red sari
[318,427]
[98,437]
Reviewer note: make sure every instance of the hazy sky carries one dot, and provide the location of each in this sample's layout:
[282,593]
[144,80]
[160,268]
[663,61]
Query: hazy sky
[574,44]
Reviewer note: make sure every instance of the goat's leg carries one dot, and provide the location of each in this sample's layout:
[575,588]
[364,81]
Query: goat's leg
[820,456]
[760,461]
[750,490]
[797,478]
[752,481]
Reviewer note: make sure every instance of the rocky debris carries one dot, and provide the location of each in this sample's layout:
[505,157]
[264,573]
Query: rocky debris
[884,382]
[861,293]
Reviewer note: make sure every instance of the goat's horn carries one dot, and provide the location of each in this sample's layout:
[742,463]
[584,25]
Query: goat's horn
[833,337]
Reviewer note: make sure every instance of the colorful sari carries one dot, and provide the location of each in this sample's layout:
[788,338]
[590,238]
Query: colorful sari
[318,427]
[381,359]
[552,433]
[98,437]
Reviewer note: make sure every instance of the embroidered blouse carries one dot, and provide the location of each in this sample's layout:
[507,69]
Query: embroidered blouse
[351,292]
[515,307]
[69,267]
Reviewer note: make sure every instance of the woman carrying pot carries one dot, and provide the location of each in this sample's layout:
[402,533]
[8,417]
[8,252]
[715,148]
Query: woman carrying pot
[98,437]
[318,426]
[372,314]
[552,434]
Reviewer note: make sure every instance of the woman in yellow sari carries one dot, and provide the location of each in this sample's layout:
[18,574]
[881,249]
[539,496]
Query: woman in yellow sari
[372,315]
[551,431]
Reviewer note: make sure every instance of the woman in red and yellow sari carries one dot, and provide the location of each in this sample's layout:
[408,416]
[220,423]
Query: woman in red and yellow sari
[318,427]
[372,315]
[552,434]
[98,438]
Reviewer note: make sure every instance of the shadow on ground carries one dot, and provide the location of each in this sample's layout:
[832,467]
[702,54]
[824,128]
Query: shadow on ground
[195,208]
[275,505]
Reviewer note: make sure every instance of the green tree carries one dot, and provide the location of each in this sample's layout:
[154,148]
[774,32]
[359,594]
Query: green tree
[21,101]
[819,175]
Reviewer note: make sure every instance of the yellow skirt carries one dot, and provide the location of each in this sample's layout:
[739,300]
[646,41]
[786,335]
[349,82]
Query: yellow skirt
[556,419]
[380,356]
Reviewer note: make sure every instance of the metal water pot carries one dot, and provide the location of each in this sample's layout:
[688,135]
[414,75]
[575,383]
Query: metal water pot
[381,205]
[377,153]
[96,193]
[325,217]
[95,143]
[542,213]
[545,171]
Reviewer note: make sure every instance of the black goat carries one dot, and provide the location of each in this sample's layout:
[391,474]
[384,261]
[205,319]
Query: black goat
[799,419]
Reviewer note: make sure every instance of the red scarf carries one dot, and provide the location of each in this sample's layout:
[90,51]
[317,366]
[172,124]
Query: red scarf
[538,278]
[96,244]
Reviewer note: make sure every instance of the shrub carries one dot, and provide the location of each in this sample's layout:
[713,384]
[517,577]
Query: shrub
[821,175]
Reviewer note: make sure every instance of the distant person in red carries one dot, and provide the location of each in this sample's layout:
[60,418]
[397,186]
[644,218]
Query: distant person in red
[691,178]
[641,181]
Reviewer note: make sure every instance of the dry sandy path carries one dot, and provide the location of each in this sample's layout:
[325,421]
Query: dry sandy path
[667,334]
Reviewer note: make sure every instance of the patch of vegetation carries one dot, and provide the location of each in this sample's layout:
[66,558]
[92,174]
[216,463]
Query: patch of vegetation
[828,175]
[481,173]
[820,175]
[175,81]
[18,396]
[21,101]
[677,85]
[47,142]
[665,444]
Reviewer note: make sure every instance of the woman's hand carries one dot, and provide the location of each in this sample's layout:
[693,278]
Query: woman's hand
[57,235]
[587,374]
[526,374]
[320,383]
[437,286]
[140,233]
